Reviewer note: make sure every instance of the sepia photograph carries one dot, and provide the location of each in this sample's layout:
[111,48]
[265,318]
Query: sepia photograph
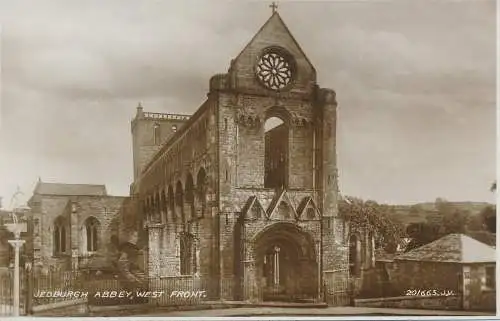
[241,159]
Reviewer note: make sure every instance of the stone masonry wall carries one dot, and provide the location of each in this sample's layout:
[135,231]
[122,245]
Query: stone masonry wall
[415,275]
[479,296]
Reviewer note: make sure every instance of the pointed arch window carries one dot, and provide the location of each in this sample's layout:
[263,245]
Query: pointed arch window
[92,234]
[59,236]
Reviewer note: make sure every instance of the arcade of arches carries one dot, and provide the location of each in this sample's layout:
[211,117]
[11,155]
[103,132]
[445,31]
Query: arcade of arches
[245,189]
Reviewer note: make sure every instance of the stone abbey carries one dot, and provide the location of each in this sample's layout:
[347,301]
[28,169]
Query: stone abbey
[245,189]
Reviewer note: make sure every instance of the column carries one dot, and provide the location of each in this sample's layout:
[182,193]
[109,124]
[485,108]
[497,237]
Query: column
[318,262]
[276,271]
[16,244]
[75,236]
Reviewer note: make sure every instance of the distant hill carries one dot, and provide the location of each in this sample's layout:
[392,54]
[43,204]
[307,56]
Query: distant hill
[407,214]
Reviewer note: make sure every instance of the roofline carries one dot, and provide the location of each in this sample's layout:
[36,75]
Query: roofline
[287,29]
[167,145]
[82,195]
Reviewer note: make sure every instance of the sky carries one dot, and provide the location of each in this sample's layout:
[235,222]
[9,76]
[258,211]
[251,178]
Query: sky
[415,82]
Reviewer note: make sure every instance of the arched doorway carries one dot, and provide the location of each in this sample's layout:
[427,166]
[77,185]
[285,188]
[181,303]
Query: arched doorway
[286,266]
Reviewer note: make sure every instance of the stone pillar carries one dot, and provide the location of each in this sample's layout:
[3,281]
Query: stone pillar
[154,259]
[329,152]
[327,161]
[16,244]
[319,282]
[197,255]
[75,236]
[250,285]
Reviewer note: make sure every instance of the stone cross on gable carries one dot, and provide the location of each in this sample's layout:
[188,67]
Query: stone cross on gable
[273,6]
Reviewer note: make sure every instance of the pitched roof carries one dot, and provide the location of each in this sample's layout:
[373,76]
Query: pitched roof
[272,22]
[457,248]
[70,189]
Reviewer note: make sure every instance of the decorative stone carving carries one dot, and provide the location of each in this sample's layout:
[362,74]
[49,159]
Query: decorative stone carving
[247,120]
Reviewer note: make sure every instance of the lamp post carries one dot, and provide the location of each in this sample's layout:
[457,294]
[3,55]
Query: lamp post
[17,228]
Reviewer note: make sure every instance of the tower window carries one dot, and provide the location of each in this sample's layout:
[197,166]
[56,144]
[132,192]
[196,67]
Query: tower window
[276,153]
[156,133]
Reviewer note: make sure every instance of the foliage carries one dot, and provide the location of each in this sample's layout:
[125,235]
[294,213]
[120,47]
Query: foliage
[421,233]
[489,218]
[446,219]
[371,216]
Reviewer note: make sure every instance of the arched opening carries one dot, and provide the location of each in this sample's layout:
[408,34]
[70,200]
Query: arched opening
[201,189]
[60,235]
[286,263]
[354,255]
[171,203]
[179,201]
[190,197]
[91,233]
[276,152]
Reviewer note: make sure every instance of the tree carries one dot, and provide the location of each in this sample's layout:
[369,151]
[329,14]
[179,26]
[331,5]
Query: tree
[446,219]
[476,223]
[371,216]
[421,233]
[489,218]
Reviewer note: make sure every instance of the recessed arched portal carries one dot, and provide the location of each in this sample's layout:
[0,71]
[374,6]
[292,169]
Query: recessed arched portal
[286,263]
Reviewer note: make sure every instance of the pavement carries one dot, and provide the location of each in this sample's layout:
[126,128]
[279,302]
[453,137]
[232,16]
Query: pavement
[289,311]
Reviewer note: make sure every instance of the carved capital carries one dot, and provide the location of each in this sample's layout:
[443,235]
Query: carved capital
[298,121]
[247,120]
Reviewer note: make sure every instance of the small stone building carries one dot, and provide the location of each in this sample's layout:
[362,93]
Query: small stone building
[455,262]
[73,225]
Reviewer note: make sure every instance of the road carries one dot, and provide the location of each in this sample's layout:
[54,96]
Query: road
[332,311]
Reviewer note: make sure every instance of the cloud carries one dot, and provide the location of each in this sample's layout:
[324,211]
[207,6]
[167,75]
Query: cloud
[415,84]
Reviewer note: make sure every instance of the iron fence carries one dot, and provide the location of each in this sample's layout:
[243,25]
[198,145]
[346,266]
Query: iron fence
[7,293]
[337,288]
[109,289]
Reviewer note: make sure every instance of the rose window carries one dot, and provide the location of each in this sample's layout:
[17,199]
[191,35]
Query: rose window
[274,71]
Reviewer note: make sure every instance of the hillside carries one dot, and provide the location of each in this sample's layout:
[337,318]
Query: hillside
[414,213]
